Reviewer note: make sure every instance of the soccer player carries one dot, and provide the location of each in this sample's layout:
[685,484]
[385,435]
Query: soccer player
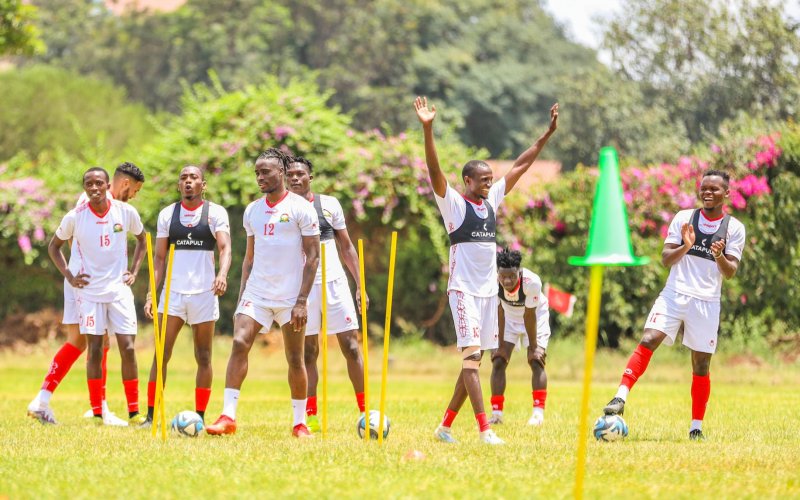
[196,226]
[342,320]
[702,247]
[523,316]
[102,284]
[127,181]
[276,281]
[470,222]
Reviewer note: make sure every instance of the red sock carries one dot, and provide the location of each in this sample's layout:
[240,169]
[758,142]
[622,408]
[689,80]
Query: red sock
[701,390]
[497,403]
[360,401]
[637,364]
[449,416]
[59,367]
[103,366]
[132,395]
[539,397]
[483,422]
[201,397]
[151,394]
[311,405]
[96,395]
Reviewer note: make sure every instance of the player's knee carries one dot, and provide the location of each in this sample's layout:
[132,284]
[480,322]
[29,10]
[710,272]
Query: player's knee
[499,363]
[295,360]
[701,367]
[240,345]
[202,356]
[127,351]
[350,350]
[471,358]
[537,361]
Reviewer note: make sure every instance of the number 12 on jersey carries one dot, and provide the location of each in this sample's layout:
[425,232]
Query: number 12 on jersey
[269,229]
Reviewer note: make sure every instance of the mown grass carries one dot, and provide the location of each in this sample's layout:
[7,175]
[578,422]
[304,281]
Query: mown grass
[752,450]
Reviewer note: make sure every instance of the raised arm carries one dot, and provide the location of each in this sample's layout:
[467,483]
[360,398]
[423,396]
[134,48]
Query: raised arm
[426,116]
[526,159]
[673,252]
[350,257]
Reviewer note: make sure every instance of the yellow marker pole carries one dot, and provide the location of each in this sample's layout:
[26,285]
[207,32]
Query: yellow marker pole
[160,350]
[323,331]
[386,335]
[154,300]
[592,327]
[365,338]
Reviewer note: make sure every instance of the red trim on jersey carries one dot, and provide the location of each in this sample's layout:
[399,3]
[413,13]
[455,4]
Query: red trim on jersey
[516,289]
[479,202]
[312,198]
[273,205]
[192,209]
[108,207]
[703,212]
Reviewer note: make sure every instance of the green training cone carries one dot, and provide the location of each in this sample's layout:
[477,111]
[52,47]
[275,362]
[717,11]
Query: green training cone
[609,234]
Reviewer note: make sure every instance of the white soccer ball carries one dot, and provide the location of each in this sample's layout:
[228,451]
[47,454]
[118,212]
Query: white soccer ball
[374,420]
[610,428]
[187,424]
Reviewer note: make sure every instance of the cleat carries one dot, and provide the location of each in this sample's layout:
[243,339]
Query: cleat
[147,424]
[536,420]
[300,431]
[44,415]
[444,435]
[496,418]
[489,437]
[615,407]
[109,418]
[223,425]
[136,420]
[312,422]
[696,435]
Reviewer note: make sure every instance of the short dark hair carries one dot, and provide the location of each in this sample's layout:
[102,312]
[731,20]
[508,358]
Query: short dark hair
[275,154]
[131,170]
[304,161]
[98,169]
[471,166]
[509,259]
[719,173]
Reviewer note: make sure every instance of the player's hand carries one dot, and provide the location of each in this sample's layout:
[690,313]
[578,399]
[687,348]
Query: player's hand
[532,354]
[424,114]
[358,299]
[220,285]
[496,353]
[148,308]
[717,247]
[687,234]
[129,278]
[299,316]
[79,281]
[554,117]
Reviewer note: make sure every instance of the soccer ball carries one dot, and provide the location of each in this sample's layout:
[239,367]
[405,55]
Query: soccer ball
[187,424]
[610,428]
[374,421]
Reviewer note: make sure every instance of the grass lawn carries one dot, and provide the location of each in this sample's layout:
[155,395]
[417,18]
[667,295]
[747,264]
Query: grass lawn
[752,450]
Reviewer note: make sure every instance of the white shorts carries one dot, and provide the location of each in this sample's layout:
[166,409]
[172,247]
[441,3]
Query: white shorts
[475,320]
[119,317]
[341,311]
[194,308]
[515,332]
[264,312]
[71,313]
[700,320]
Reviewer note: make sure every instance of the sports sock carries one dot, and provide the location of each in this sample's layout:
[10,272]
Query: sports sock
[637,364]
[59,367]
[132,396]
[497,403]
[696,425]
[96,395]
[539,397]
[483,422]
[151,398]
[104,368]
[44,397]
[230,398]
[201,397]
[701,390]
[298,412]
[311,405]
[449,416]
[360,401]
[622,392]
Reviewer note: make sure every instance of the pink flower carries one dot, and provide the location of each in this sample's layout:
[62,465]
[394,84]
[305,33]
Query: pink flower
[350,133]
[743,299]
[282,131]
[737,200]
[560,228]
[38,234]
[24,243]
[685,201]
[715,149]
[365,153]
[628,197]
[663,230]
[402,136]
[515,245]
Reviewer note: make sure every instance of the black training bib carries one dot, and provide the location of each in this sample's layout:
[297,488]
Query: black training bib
[474,229]
[325,229]
[191,238]
[703,241]
[520,302]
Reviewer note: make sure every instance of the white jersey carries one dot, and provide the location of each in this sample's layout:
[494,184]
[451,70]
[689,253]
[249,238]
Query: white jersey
[473,266]
[697,277]
[333,213]
[74,263]
[193,270]
[279,259]
[101,241]
[531,286]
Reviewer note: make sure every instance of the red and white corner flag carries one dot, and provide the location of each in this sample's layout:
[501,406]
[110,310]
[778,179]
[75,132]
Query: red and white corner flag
[563,302]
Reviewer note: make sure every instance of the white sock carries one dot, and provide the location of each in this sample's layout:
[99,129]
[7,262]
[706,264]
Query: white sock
[696,425]
[497,412]
[230,399]
[44,397]
[622,392]
[538,411]
[299,411]
[105,407]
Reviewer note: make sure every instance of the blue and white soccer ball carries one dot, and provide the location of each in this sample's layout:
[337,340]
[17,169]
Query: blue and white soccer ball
[187,424]
[610,428]
[374,420]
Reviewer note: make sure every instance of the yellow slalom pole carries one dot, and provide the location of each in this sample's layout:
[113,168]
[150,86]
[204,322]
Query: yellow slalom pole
[592,327]
[365,338]
[160,351]
[323,332]
[154,300]
[386,335]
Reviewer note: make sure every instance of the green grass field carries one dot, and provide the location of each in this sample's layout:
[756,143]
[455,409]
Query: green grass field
[752,450]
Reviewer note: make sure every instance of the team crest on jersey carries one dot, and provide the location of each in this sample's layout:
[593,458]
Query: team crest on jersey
[284,218]
[327,214]
[117,227]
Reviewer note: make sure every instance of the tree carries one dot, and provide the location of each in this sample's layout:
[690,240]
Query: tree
[18,34]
